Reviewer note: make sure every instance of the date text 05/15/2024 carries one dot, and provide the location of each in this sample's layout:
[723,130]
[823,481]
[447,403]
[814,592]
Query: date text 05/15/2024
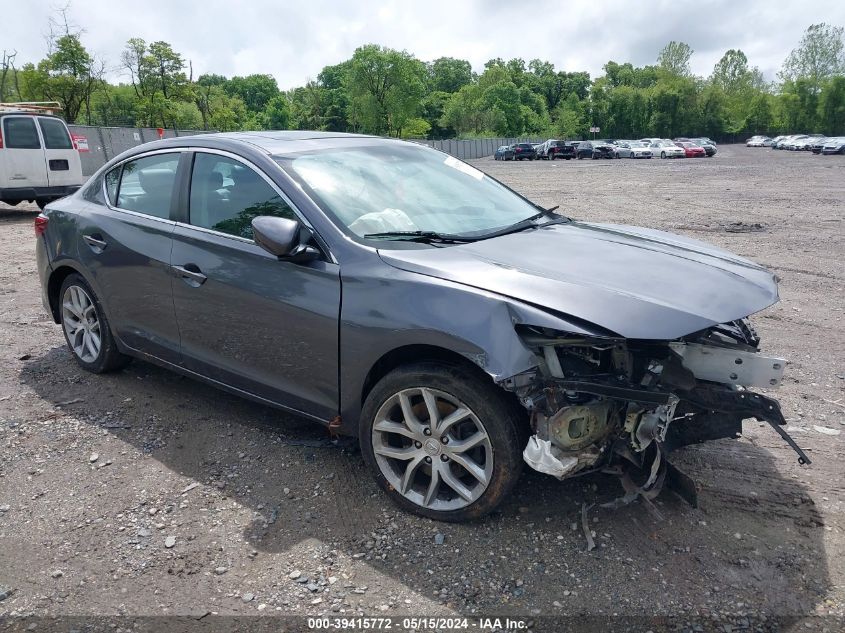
[499,624]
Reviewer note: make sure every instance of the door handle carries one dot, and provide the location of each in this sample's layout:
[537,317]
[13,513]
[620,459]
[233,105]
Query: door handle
[190,274]
[96,242]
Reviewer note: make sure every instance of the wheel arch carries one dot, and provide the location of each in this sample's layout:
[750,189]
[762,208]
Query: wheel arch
[54,285]
[421,353]
[415,353]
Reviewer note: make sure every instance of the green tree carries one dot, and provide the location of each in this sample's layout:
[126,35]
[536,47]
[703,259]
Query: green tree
[733,75]
[335,100]
[801,104]
[8,76]
[570,122]
[157,75]
[307,106]
[760,119]
[674,59]
[740,84]
[385,87]
[114,105]
[69,75]
[832,106]
[447,74]
[555,86]
[277,113]
[714,112]
[255,91]
[627,112]
[465,112]
[819,56]
[433,108]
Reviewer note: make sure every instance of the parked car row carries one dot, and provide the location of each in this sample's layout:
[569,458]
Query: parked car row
[608,148]
[816,143]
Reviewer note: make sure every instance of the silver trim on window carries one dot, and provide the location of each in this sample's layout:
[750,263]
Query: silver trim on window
[109,205]
[247,163]
[206,150]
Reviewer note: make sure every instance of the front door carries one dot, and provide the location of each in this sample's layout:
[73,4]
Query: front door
[246,319]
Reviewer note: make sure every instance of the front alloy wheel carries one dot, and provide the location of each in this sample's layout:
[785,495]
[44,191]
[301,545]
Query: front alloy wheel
[442,440]
[432,449]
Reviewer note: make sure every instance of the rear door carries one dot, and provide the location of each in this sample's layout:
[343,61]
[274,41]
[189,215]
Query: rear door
[63,164]
[126,246]
[247,319]
[22,153]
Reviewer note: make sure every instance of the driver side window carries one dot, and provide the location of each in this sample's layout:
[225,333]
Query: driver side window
[226,195]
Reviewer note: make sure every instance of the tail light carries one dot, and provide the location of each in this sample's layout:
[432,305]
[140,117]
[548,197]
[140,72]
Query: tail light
[41,221]
[1,139]
[518,150]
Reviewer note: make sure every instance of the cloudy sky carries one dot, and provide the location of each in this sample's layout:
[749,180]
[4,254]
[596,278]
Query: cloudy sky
[294,40]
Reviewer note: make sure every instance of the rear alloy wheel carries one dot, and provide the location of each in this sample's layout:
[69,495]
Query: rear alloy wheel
[441,441]
[86,329]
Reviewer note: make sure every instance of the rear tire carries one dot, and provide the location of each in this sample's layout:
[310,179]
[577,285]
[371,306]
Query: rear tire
[86,328]
[396,437]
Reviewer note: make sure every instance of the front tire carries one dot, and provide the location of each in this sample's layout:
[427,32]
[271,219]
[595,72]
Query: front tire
[662,154]
[86,327]
[442,441]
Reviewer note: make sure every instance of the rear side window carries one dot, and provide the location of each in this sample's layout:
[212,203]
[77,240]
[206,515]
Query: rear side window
[55,134]
[146,185]
[19,133]
[226,195]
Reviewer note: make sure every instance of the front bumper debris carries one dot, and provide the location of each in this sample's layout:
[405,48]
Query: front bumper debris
[730,366]
[620,406]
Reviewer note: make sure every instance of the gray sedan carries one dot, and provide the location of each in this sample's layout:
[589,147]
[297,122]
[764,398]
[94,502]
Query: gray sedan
[394,293]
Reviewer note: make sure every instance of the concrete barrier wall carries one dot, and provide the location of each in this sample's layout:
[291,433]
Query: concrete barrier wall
[104,143]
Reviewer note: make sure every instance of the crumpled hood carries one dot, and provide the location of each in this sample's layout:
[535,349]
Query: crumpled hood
[636,282]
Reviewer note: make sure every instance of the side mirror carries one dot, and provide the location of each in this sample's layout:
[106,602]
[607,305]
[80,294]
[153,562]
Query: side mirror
[282,237]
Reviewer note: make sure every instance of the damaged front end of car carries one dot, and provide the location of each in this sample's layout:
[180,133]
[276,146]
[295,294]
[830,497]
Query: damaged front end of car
[621,405]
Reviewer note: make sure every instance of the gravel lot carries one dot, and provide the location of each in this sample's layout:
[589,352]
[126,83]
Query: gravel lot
[142,493]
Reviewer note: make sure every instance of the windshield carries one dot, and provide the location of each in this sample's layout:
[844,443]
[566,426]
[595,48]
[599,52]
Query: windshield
[402,187]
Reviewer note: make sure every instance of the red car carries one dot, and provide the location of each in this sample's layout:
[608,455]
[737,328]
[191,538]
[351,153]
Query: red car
[692,150]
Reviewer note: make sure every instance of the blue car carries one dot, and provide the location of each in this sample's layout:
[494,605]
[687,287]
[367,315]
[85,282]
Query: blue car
[504,152]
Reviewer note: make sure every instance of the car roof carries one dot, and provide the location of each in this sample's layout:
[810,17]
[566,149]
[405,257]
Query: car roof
[273,143]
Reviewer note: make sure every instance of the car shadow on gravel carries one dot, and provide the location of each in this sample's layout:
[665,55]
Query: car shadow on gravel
[756,538]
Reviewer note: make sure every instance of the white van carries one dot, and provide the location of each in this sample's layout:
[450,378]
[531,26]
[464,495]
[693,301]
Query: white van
[38,159]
